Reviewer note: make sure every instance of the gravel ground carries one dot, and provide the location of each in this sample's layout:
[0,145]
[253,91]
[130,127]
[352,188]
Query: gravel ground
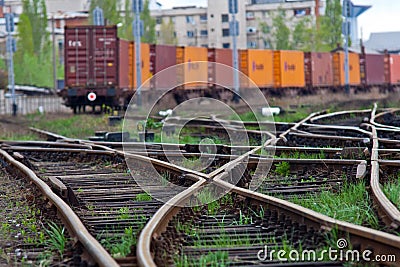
[24,220]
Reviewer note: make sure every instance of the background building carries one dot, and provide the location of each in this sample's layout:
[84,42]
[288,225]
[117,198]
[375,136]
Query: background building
[210,26]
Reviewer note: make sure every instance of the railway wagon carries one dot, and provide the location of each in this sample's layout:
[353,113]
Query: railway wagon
[257,65]
[91,66]
[338,69]
[318,69]
[288,69]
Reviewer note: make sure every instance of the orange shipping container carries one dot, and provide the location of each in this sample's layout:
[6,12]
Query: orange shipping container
[289,69]
[145,58]
[257,65]
[395,69]
[194,71]
[338,69]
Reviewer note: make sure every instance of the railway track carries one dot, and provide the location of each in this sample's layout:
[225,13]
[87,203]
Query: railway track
[322,153]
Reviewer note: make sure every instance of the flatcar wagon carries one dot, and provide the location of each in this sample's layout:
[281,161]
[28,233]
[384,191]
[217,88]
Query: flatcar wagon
[100,69]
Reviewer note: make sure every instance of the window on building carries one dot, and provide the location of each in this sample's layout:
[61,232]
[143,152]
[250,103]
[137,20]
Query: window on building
[158,20]
[203,32]
[226,45]
[203,18]
[174,34]
[250,15]
[252,44]
[190,34]
[302,12]
[225,32]
[158,33]
[204,45]
[190,19]
[224,18]
[265,14]
[173,19]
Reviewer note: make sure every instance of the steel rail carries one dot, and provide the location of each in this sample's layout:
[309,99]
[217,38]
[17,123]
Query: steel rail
[373,119]
[339,113]
[159,222]
[95,250]
[383,243]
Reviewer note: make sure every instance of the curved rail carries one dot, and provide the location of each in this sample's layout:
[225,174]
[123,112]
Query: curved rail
[96,251]
[364,238]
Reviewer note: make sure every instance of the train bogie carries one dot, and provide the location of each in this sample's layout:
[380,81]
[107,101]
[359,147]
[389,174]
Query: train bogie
[288,69]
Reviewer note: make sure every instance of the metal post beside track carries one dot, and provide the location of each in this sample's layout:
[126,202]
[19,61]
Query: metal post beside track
[234,31]
[137,33]
[11,47]
[346,11]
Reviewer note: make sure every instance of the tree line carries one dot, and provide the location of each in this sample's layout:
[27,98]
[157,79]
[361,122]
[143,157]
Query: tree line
[321,35]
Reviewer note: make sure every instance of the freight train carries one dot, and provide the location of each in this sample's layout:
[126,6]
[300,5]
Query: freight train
[100,68]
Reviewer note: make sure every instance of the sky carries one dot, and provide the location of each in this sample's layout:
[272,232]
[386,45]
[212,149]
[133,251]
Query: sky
[383,16]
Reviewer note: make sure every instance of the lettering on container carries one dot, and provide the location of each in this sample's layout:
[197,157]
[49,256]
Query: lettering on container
[257,66]
[289,67]
[74,43]
[193,66]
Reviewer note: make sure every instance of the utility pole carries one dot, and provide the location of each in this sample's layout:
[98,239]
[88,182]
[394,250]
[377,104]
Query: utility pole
[11,48]
[346,13]
[54,55]
[234,31]
[137,33]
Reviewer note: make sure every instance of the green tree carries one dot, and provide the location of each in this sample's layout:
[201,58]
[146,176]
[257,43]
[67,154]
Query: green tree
[266,31]
[33,57]
[32,28]
[149,35]
[281,32]
[110,10]
[330,30]
[125,31]
[304,35]
[167,33]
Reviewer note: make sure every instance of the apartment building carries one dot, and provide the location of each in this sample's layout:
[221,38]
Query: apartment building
[209,27]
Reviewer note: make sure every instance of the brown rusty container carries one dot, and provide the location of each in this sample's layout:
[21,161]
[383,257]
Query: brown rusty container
[394,61]
[372,69]
[318,69]
[91,57]
[124,64]
[217,74]
[163,57]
